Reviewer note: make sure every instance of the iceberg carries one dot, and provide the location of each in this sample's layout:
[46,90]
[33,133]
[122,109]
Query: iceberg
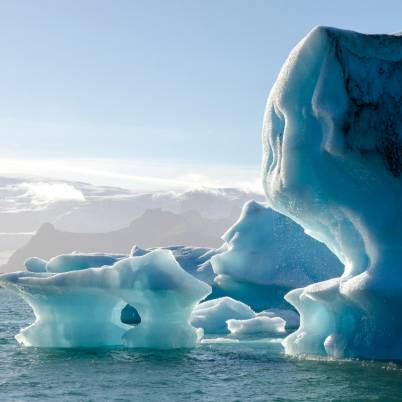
[257,325]
[212,315]
[226,315]
[83,307]
[332,162]
[265,255]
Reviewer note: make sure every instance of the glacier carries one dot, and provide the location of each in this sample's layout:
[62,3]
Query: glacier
[82,307]
[332,162]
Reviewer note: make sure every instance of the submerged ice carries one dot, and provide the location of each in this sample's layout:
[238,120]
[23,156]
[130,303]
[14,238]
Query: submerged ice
[333,162]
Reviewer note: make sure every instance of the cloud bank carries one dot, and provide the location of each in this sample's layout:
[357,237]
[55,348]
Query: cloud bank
[138,175]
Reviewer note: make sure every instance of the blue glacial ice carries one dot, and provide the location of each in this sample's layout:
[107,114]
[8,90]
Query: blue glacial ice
[35,264]
[333,162]
[83,307]
[265,255]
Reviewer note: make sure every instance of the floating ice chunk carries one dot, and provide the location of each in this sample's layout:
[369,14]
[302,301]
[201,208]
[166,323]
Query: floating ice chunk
[257,325]
[79,261]
[266,254]
[212,315]
[35,264]
[82,308]
[332,162]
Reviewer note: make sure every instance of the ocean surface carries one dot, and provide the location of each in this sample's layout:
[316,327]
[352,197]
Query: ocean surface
[244,371]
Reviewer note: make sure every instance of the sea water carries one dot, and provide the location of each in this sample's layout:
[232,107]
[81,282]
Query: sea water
[250,370]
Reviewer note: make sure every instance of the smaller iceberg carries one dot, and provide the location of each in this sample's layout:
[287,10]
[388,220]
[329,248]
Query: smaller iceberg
[83,307]
[257,325]
[226,315]
[212,315]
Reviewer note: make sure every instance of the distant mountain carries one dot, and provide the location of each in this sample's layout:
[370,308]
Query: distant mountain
[26,204]
[153,228]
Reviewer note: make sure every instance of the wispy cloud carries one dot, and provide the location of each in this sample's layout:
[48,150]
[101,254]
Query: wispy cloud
[139,175]
[42,193]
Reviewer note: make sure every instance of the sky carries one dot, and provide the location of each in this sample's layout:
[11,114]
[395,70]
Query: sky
[133,92]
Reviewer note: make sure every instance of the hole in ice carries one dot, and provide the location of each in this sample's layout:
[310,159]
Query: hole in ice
[129,315]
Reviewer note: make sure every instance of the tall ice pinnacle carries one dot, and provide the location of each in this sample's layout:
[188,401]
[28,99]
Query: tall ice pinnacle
[332,142]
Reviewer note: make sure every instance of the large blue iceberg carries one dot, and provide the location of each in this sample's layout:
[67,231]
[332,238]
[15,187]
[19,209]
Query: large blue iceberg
[332,142]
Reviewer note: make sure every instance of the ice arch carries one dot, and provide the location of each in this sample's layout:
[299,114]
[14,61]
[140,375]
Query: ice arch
[82,308]
[333,163]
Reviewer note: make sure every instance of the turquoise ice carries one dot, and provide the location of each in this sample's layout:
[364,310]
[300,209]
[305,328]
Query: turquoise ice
[265,255]
[82,308]
[333,162]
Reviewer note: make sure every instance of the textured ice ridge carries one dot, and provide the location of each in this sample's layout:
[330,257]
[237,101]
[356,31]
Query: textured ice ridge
[333,163]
